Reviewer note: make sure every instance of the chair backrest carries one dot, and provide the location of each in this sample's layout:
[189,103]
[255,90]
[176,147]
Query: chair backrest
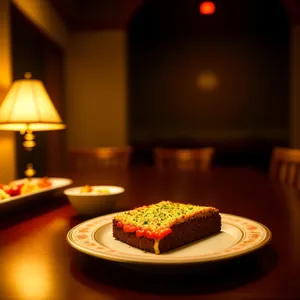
[285,165]
[184,159]
[100,157]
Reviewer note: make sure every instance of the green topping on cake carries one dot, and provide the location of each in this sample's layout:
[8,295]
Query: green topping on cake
[163,214]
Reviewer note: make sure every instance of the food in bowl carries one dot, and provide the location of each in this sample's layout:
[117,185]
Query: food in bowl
[89,189]
[93,200]
[165,226]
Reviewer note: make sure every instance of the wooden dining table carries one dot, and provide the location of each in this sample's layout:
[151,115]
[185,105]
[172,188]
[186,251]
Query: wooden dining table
[37,263]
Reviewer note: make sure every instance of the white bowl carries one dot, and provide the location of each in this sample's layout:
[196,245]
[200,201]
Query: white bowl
[94,203]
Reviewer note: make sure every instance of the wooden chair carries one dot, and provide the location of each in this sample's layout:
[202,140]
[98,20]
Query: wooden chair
[184,159]
[285,165]
[100,157]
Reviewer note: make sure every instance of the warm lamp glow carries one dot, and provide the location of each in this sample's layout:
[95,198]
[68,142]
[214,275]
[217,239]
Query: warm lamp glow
[28,106]
[207,8]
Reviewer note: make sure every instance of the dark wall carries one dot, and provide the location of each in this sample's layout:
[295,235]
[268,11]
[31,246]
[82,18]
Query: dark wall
[244,46]
[33,52]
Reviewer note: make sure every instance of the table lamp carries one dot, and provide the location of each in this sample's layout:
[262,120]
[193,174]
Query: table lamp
[28,108]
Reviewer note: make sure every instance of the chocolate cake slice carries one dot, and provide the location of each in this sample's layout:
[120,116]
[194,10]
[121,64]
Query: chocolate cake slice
[165,226]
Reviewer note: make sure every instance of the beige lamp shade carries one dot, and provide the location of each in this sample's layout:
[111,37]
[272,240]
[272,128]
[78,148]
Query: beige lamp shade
[28,106]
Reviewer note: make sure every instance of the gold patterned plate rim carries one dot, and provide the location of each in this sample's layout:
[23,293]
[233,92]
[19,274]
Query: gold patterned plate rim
[252,236]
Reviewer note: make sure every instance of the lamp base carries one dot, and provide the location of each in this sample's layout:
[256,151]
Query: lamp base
[29,142]
[30,171]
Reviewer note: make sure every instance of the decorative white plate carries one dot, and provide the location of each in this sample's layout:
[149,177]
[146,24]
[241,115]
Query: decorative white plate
[57,183]
[237,237]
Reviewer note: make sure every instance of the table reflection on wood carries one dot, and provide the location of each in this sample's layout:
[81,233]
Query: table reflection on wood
[37,262]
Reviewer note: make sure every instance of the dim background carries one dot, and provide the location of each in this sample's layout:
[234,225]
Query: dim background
[157,73]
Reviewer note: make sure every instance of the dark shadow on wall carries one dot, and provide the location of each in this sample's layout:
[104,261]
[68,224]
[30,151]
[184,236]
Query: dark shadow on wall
[216,80]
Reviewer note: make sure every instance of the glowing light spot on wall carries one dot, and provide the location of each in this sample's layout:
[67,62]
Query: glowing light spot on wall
[207,8]
[207,81]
